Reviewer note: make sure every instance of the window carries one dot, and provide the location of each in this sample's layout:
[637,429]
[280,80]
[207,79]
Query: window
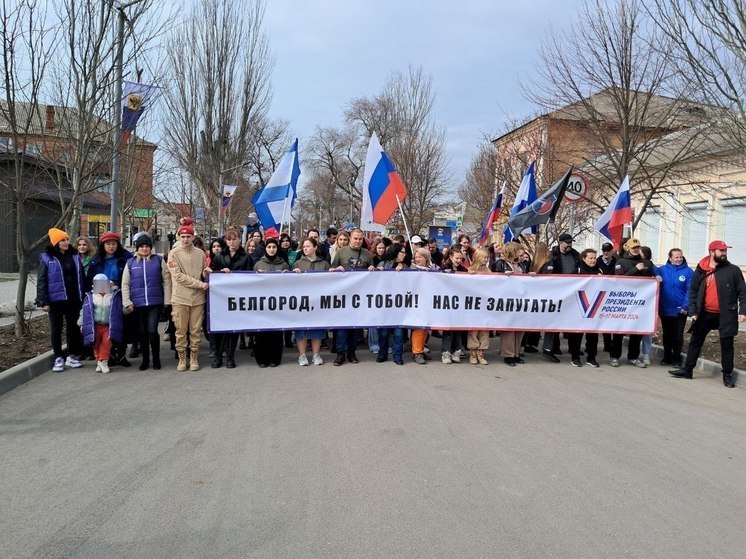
[694,231]
[734,232]
[649,232]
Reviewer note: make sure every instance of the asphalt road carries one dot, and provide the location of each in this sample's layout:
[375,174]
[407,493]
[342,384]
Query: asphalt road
[373,461]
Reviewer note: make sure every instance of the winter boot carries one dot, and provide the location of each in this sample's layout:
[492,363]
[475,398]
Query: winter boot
[155,348]
[230,361]
[145,350]
[480,357]
[182,366]
[194,360]
[473,357]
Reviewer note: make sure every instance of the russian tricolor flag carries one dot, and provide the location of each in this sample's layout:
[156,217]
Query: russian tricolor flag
[617,215]
[493,215]
[381,187]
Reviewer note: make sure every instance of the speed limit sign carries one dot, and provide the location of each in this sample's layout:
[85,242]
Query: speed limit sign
[576,188]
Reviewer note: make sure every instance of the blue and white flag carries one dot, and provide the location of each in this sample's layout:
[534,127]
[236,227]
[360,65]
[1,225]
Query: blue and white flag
[525,196]
[279,194]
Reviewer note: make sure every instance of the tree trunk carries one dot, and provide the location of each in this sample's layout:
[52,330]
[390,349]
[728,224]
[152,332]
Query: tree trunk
[22,258]
[20,311]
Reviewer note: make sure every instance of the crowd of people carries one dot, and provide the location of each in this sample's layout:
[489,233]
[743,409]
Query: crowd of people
[107,298]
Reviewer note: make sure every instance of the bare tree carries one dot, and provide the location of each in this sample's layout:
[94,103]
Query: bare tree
[609,72]
[218,94]
[708,49]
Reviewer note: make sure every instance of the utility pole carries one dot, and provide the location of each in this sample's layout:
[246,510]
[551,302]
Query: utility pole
[117,104]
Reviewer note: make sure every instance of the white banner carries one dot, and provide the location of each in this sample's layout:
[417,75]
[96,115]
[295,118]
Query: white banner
[248,301]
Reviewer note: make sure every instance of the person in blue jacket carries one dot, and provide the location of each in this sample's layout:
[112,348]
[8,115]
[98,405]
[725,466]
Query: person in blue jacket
[676,277]
[59,293]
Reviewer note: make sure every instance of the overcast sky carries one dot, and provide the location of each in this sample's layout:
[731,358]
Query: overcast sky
[330,51]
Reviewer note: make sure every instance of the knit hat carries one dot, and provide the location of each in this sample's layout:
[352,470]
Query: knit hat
[110,236]
[57,235]
[101,283]
[143,240]
[185,230]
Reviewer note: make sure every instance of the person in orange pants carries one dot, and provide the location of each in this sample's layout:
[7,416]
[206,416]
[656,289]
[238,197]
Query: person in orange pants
[421,261]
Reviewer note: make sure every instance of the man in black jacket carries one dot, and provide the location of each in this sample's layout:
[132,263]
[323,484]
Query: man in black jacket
[715,295]
[634,264]
[565,260]
[607,262]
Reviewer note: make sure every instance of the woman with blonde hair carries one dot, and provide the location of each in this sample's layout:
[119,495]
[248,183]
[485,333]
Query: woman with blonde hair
[86,251]
[478,341]
[510,342]
[420,261]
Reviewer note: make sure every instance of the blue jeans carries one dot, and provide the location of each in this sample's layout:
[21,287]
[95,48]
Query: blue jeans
[647,345]
[345,340]
[398,342]
[373,340]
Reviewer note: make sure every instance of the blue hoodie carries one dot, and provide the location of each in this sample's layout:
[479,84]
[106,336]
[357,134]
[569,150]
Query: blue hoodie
[674,288]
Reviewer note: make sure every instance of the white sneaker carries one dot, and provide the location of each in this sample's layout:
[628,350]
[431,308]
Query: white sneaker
[105,367]
[637,363]
[445,357]
[72,362]
[456,356]
[59,365]
[317,360]
[645,359]
[303,360]
[614,362]
[98,366]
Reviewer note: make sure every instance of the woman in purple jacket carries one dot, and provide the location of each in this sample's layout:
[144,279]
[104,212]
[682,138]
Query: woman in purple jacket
[59,292]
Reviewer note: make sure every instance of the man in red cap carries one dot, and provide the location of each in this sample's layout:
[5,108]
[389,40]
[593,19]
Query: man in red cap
[716,293]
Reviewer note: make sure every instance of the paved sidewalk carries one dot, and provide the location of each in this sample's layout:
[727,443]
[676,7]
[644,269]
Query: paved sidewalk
[8,288]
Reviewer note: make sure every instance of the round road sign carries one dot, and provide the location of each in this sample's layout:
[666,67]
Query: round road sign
[576,188]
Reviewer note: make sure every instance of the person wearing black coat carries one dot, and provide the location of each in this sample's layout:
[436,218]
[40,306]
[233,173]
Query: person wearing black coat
[232,259]
[717,301]
[110,260]
[607,262]
[588,267]
[565,259]
[634,264]
[59,292]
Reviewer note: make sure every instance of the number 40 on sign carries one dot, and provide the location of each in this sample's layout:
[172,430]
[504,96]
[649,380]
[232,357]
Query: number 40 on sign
[576,188]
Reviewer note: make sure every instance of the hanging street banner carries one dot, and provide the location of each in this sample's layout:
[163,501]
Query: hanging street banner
[249,301]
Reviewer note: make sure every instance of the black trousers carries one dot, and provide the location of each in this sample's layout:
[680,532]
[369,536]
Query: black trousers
[268,347]
[147,319]
[591,345]
[633,348]
[69,312]
[672,328]
[702,326]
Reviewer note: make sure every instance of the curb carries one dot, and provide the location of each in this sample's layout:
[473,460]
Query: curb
[26,371]
[708,368]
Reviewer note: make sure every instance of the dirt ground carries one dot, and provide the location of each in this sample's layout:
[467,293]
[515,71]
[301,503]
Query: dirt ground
[36,341]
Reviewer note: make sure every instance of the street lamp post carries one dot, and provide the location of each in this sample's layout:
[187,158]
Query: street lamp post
[116,159]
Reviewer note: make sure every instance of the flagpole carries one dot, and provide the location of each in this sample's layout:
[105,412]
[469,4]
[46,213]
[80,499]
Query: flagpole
[220,201]
[404,221]
[284,209]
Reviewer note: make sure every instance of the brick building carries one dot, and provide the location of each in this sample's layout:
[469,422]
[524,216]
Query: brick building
[51,137]
[687,215]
